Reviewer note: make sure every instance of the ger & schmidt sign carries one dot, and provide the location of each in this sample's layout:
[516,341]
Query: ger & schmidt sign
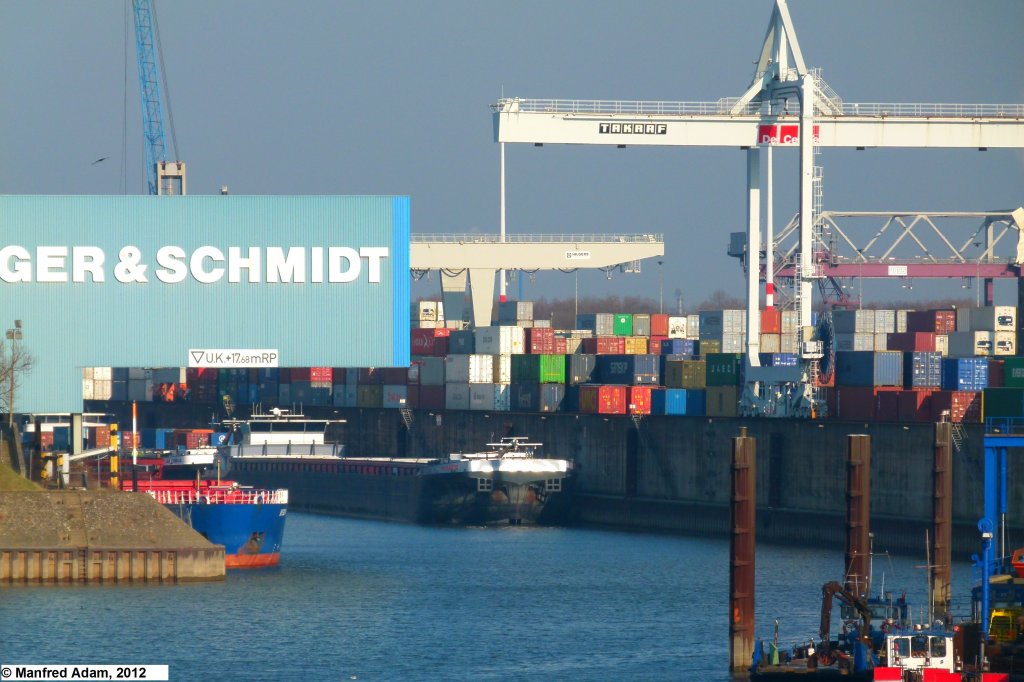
[235,281]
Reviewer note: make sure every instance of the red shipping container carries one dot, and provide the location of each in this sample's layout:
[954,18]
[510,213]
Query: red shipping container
[426,341]
[654,346]
[99,437]
[605,345]
[915,406]
[995,373]
[602,399]
[431,397]
[299,374]
[887,405]
[912,341]
[412,396]
[936,321]
[540,340]
[321,375]
[963,406]
[855,402]
[561,346]
[771,321]
[640,399]
[201,375]
[659,324]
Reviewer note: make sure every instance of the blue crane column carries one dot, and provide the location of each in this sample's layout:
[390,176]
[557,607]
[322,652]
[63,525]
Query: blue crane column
[995,508]
[149,89]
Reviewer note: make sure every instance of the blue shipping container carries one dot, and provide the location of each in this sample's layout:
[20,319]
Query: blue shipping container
[964,374]
[632,370]
[869,368]
[679,401]
[777,359]
[678,347]
[461,342]
[579,368]
[922,369]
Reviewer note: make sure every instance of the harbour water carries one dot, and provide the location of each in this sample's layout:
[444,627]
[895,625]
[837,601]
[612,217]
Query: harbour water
[363,600]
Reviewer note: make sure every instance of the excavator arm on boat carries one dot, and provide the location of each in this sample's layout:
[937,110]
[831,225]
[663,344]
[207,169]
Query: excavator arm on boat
[835,590]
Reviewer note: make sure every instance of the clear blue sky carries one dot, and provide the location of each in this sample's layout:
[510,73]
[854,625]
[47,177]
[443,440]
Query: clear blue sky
[383,97]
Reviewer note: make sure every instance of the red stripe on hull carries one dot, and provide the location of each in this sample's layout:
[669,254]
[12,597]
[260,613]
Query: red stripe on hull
[252,560]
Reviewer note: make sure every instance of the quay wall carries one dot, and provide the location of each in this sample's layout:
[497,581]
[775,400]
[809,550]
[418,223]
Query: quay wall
[671,473]
[78,536]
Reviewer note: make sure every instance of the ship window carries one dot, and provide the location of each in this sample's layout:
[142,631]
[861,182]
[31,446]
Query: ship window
[918,646]
[901,646]
[553,485]
[938,647]
[484,485]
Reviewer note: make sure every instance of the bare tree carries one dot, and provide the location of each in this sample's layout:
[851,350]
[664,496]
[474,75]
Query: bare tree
[15,362]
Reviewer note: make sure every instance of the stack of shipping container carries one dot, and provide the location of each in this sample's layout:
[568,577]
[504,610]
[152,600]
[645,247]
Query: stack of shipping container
[888,365]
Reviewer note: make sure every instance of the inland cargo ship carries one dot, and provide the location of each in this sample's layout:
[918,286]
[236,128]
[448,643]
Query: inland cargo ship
[509,483]
[248,521]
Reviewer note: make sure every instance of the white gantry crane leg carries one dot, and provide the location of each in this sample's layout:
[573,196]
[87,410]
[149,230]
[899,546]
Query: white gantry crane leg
[805,274]
[753,255]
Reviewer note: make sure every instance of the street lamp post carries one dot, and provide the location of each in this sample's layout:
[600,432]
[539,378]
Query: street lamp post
[13,335]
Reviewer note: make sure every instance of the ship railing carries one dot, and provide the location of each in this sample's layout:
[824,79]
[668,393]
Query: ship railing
[173,497]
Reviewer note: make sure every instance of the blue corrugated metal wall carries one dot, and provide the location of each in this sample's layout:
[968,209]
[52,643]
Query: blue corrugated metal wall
[68,326]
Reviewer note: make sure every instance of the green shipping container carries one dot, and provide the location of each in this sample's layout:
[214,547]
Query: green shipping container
[623,324]
[1002,402]
[724,369]
[1013,372]
[709,346]
[544,369]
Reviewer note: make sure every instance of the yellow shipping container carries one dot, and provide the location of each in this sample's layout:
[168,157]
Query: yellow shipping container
[710,346]
[771,343]
[722,401]
[636,345]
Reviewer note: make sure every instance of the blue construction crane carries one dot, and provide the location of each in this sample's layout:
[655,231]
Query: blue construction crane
[149,89]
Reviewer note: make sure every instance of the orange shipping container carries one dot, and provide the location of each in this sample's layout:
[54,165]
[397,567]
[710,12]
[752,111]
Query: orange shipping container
[659,325]
[771,321]
[640,399]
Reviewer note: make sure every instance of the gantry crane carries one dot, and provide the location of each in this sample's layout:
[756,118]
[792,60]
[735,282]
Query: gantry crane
[789,106]
[163,177]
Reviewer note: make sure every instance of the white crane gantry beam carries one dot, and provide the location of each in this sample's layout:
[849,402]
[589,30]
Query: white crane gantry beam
[480,256]
[995,126]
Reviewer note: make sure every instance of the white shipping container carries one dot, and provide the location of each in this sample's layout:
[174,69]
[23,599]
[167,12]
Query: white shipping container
[87,373]
[733,343]
[969,344]
[885,322]
[693,326]
[470,369]
[676,327]
[395,396]
[942,344]
[428,311]
[790,321]
[881,342]
[429,324]
[87,392]
[788,343]
[1004,343]
[500,340]
[572,344]
[513,311]
[456,396]
[102,374]
[502,369]
[771,343]
[901,321]
[853,342]
[543,324]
